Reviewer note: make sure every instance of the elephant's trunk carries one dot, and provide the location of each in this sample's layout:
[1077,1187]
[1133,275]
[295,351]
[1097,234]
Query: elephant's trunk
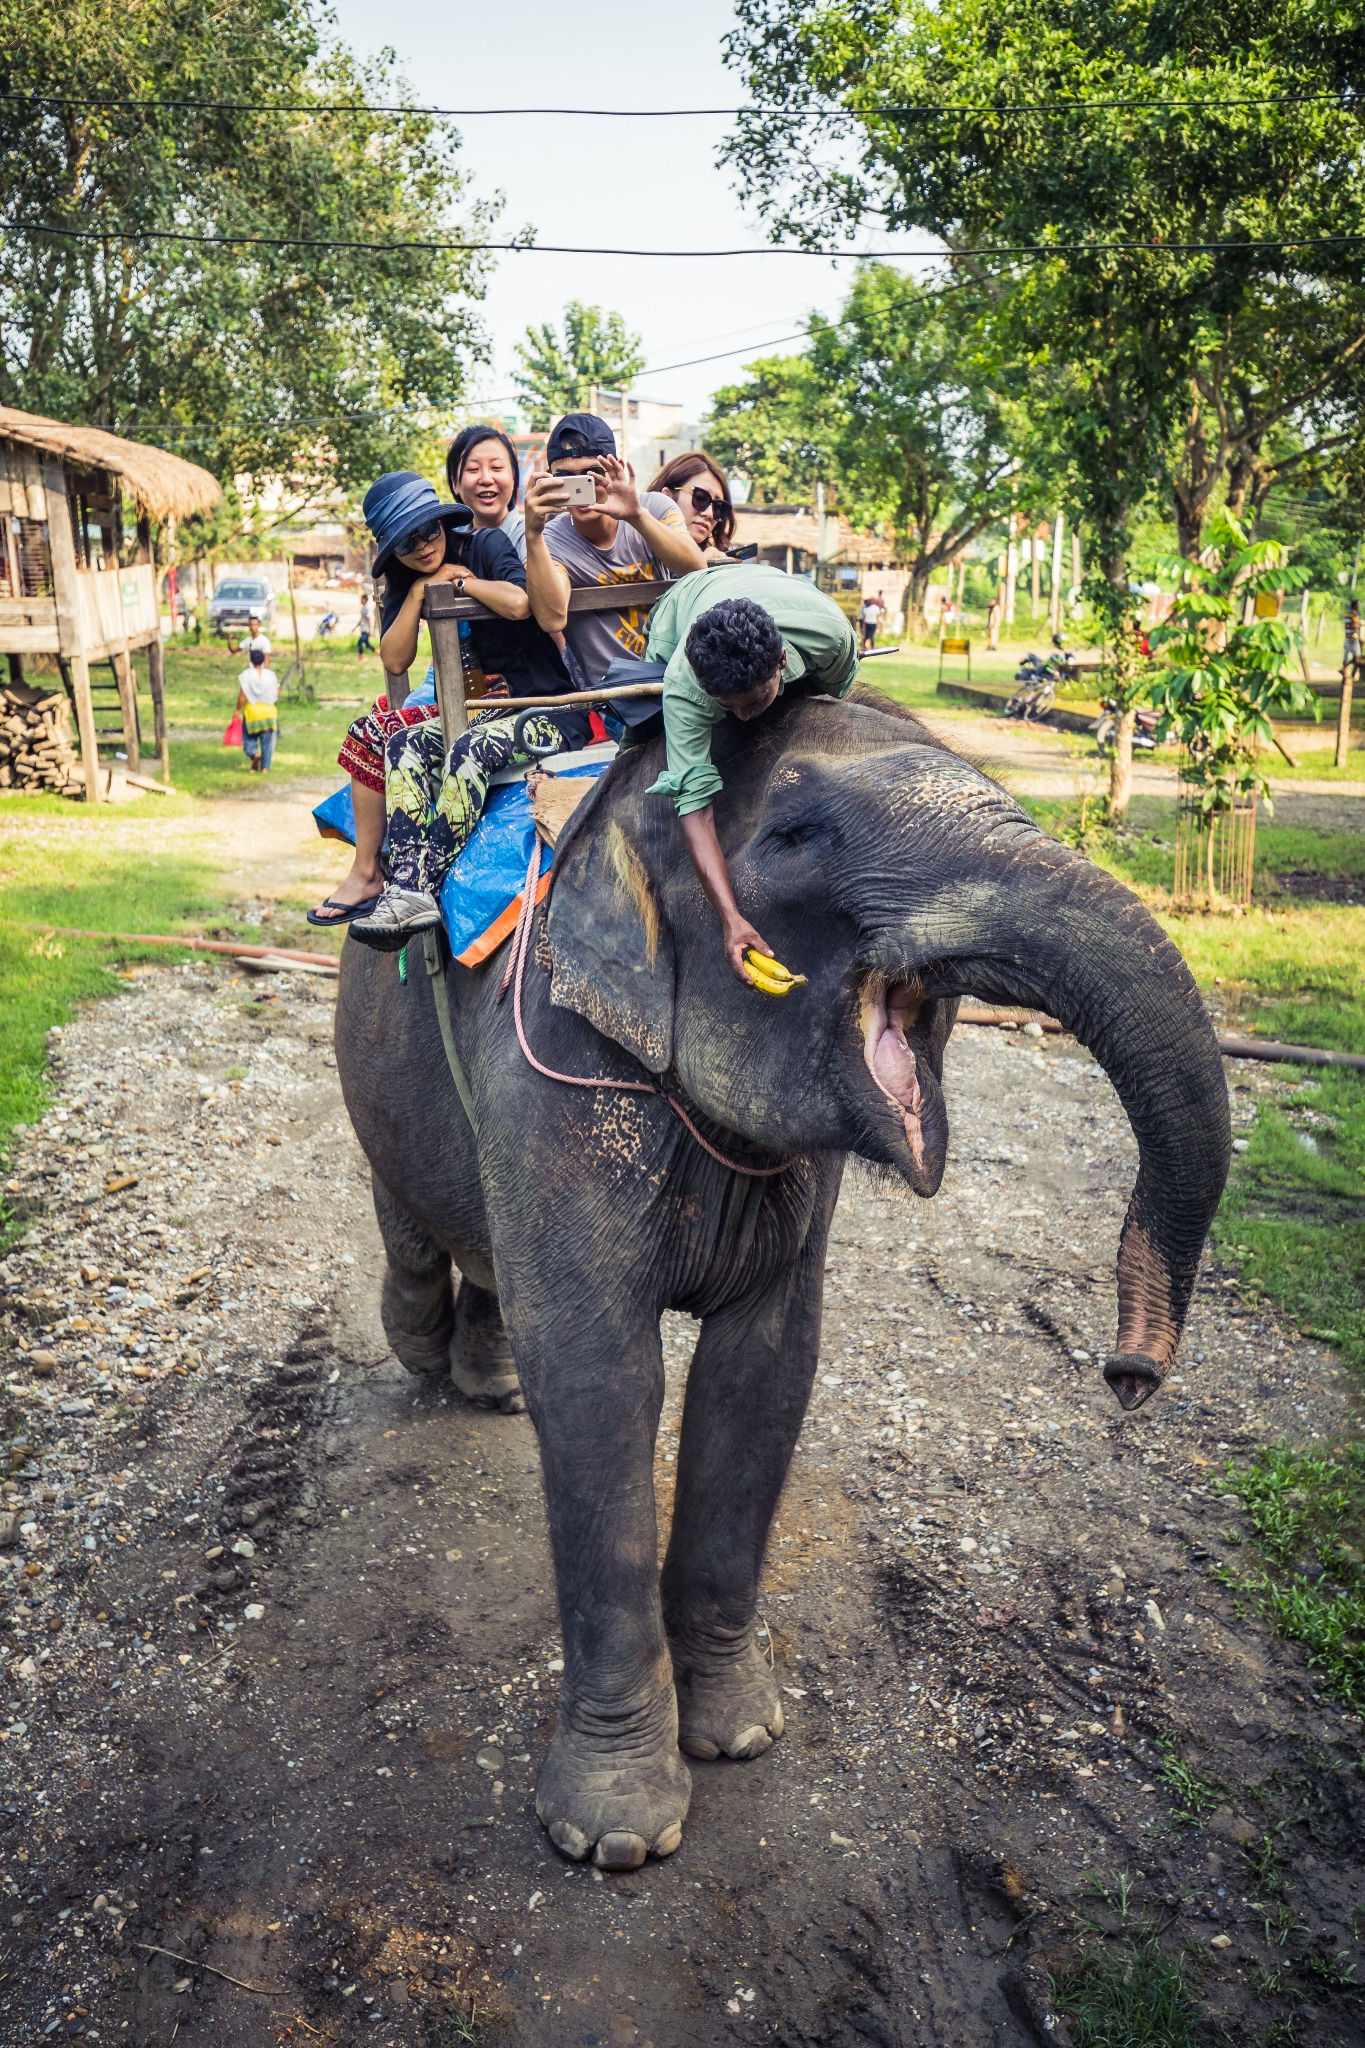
[1034,924]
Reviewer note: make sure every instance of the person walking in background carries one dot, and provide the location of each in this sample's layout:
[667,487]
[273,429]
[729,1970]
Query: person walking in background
[1351,642]
[701,493]
[258,693]
[254,643]
[364,643]
[993,625]
[870,617]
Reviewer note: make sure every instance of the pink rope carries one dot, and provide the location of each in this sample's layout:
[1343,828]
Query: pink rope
[516,972]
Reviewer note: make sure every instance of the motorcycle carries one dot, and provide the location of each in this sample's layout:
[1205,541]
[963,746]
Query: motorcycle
[1144,727]
[1035,689]
[1039,679]
[327,625]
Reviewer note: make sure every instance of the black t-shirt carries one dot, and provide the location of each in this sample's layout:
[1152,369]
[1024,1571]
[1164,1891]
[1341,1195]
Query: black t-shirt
[515,648]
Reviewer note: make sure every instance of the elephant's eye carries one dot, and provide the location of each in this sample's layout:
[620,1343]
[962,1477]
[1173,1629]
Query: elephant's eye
[797,834]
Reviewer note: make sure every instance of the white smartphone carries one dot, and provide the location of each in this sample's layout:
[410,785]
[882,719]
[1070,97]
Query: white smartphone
[582,490]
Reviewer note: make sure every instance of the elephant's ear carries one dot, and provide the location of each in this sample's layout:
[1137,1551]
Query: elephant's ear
[610,942]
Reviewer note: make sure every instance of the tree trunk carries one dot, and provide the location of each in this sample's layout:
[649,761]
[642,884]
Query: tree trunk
[1121,766]
[1189,524]
[915,588]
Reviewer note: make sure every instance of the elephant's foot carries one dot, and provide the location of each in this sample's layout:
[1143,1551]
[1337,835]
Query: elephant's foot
[418,1316]
[728,1701]
[481,1361]
[615,1796]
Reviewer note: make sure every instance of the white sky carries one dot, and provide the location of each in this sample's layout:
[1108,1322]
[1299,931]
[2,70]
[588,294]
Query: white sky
[642,184]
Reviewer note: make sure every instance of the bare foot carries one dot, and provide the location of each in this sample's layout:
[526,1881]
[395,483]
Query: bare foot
[728,1703]
[618,1790]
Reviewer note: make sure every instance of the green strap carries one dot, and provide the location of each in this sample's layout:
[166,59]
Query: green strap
[431,953]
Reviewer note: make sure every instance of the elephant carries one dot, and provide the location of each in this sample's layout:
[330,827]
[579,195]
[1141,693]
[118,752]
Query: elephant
[898,878]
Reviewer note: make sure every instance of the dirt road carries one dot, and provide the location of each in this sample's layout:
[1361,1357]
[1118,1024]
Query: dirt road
[281,1651]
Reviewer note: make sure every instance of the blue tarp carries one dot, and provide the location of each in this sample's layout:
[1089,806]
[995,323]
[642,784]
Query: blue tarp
[491,870]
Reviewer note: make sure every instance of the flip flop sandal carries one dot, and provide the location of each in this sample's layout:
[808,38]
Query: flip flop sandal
[348,911]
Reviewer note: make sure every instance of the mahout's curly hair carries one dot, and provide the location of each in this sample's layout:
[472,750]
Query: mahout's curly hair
[734,647]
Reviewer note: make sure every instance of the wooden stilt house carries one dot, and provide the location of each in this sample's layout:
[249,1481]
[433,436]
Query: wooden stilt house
[67,589]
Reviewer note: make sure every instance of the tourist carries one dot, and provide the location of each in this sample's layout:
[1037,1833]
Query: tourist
[483,472]
[701,493]
[430,797]
[620,538]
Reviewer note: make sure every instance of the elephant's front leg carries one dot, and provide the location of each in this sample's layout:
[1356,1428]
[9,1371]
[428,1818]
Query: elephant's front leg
[747,1392]
[613,1783]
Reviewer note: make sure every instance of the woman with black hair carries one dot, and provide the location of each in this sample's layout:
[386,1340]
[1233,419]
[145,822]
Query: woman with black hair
[402,784]
[701,492]
[483,472]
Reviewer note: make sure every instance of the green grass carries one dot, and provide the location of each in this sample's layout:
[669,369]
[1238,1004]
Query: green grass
[201,693]
[1191,1795]
[1124,1991]
[1291,1224]
[42,979]
[1308,1512]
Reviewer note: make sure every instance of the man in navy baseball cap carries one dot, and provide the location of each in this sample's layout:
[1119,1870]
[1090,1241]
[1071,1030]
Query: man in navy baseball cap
[578,434]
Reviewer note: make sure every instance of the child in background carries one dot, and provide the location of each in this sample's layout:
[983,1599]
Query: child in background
[258,693]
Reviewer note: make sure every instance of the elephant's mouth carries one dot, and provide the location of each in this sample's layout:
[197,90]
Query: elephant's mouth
[894,1022]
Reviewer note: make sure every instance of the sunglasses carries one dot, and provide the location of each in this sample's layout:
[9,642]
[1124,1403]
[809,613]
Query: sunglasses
[702,501]
[419,537]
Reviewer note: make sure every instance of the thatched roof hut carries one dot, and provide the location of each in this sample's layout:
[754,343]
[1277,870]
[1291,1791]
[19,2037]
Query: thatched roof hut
[164,486]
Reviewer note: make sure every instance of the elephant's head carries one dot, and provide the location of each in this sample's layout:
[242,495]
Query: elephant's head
[898,878]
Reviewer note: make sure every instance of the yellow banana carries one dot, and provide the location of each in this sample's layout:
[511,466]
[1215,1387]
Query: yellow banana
[770,975]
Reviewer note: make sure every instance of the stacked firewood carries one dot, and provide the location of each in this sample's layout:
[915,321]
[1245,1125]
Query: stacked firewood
[36,750]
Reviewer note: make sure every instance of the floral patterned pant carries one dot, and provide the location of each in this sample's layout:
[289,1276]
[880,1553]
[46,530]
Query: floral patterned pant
[433,803]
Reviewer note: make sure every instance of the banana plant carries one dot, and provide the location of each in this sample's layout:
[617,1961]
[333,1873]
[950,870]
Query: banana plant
[1224,675]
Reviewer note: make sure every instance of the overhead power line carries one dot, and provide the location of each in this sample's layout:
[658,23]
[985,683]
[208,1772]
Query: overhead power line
[1050,108]
[1041,251]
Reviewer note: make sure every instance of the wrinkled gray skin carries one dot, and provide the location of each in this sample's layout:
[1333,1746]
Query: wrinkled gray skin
[898,878]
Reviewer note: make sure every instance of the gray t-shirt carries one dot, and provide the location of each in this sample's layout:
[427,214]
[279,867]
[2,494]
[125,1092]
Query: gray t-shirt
[597,638]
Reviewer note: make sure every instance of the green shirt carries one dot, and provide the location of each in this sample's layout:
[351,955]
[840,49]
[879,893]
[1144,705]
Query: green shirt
[822,653]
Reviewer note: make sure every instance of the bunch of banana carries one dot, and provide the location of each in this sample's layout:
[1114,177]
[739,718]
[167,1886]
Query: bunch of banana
[770,975]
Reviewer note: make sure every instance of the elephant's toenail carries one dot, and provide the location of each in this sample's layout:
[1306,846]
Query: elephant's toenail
[751,1742]
[621,1851]
[697,1745]
[777,1724]
[669,1840]
[514,1404]
[569,1840]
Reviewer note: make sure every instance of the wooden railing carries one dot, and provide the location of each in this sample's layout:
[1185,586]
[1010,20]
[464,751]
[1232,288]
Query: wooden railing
[443,611]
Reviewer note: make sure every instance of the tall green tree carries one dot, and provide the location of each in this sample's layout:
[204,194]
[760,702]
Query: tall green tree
[312,365]
[773,428]
[1000,124]
[559,369]
[900,407]
[921,410]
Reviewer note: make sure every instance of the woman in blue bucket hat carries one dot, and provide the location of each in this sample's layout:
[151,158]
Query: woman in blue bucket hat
[434,797]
